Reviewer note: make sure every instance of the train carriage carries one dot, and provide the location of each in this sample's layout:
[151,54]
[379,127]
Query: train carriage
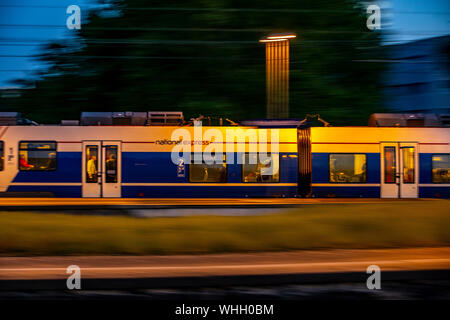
[136,161]
[379,162]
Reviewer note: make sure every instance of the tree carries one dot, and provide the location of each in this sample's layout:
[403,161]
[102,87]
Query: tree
[143,56]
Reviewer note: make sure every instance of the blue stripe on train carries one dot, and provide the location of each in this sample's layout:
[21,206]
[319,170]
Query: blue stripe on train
[57,191]
[205,192]
[434,192]
[209,191]
[143,167]
[152,167]
[170,191]
[346,192]
[425,167]
[149,167]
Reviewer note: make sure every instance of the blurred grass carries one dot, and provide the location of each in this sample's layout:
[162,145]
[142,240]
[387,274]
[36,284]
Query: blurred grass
[381,225]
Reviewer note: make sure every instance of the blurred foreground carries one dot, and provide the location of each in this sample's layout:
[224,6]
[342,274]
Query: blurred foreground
[405,273]
[418,289]
[375,225]
[211,254]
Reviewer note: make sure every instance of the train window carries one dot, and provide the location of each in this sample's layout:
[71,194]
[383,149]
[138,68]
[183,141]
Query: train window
[91,164]
[37,155]
[348,168]
[2,156]
[260,169]
[111,164]
[408,164]
[212,172]
[390,166]
[441,168]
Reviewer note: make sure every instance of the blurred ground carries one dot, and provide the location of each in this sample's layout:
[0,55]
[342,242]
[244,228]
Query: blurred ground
[274,263]
[360,225]
[415,273]
[403,290]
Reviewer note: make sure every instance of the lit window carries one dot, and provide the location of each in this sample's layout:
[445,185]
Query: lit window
[441,168]
[390,166]
[348,168]
[260,168]
[91,164]
[37,156]
[210,170]
[408,164]
[2,156]
[111,164]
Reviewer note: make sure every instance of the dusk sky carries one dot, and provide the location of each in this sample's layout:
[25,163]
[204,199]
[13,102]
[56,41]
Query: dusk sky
[27,24]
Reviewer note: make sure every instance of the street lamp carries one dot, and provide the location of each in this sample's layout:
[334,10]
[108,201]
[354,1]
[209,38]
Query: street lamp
[277,73]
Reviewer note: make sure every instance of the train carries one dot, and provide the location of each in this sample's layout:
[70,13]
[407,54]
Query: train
[135,160]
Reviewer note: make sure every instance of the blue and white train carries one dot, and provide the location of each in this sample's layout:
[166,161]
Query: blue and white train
[135,162]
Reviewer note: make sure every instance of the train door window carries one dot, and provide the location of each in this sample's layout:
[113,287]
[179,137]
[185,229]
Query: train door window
[2,156]
[210,170]
[390,166]
[348,168]
[262,169]
[111,164]
[408,164]
[91,164]
[37,155]
[441,168]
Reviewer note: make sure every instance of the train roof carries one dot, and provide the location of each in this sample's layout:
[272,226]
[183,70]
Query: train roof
[176,118]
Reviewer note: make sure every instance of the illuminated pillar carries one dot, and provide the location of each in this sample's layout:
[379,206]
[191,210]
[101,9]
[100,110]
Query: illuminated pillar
[277,74]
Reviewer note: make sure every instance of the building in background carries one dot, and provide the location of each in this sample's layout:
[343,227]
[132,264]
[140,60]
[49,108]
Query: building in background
[417,79]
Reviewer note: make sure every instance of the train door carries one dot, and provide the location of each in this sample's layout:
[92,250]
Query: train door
[101,167]
[399,170]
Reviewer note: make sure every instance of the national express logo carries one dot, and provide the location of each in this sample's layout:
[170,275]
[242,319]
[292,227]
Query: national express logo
[181,141]
[249,146]
[168,142]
